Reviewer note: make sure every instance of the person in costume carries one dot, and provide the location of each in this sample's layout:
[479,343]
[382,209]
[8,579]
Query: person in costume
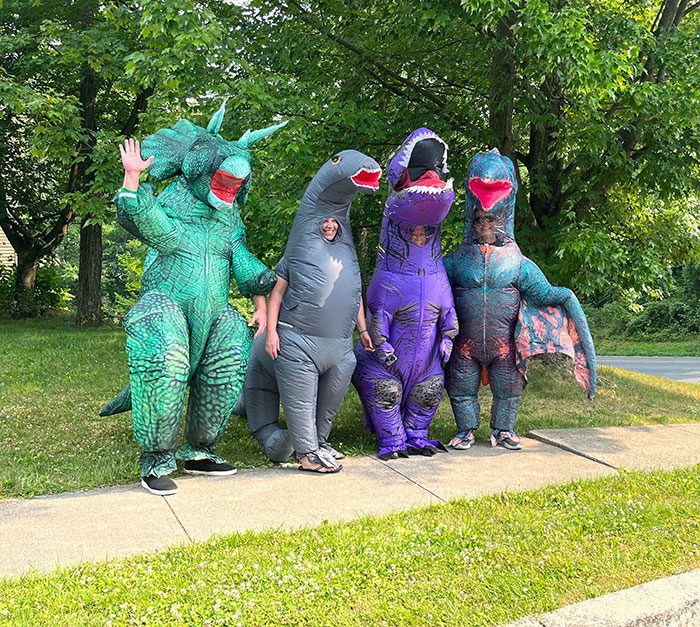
[412,319]
[507,310]
[313,309]
[182,332]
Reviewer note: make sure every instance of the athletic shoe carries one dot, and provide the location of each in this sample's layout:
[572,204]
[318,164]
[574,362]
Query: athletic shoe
[508,440]
[208,467]
[161,486]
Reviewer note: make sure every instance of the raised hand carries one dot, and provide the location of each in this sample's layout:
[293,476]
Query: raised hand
[131,157]
[133,163]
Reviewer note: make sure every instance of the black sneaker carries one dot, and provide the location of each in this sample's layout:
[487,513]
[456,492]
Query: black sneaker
[510,443]
[208,467]
[161,486]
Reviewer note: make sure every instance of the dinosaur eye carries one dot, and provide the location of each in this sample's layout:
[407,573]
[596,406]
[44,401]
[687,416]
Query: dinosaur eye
[197,147]
[336,160]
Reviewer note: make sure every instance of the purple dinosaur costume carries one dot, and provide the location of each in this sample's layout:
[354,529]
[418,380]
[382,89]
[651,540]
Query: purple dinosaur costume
[411,318]
[507,310]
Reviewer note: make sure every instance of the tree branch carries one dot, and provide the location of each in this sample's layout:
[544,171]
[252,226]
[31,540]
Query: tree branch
[139,107]
[369,60]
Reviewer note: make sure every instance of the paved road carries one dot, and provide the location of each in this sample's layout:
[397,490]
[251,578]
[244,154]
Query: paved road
[676,368]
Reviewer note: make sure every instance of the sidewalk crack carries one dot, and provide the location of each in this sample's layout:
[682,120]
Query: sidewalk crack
[398,472]
[569,449]
[189,537]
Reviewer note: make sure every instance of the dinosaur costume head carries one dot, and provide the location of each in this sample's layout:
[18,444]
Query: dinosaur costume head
[419,191]
[491,188]
[324,291]
[218,171]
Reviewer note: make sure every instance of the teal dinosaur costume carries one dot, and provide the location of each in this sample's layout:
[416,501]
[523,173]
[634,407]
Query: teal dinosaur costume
[183,331]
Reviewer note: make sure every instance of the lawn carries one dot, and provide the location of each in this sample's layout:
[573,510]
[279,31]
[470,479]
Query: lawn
[467,562]
[679,348]
[54,379]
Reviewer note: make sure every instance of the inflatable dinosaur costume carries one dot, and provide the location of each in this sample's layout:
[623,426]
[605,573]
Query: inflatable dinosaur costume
[183,331]
[507,309]
[411,317]
[312,372]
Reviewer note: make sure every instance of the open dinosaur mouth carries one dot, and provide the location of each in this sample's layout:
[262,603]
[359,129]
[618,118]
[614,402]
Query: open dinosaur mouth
[367,178]
[489,192]
[225,186]
[424,161]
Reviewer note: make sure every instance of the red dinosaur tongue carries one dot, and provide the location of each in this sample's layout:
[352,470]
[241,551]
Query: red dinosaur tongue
[225,186]
[367,178]
[489,192]
[430,179]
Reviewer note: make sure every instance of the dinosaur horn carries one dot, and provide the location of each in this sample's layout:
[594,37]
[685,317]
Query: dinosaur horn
[217,119]
[250,137]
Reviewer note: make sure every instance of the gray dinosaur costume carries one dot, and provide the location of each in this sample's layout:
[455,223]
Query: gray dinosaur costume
[319,309]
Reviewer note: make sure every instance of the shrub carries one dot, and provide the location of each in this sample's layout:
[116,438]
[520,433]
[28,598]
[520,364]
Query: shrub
[49,293]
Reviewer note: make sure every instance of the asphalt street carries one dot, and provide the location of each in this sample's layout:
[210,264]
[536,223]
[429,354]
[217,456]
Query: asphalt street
[676,368]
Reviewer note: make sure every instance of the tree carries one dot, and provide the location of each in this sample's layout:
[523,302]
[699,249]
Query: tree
[76,78]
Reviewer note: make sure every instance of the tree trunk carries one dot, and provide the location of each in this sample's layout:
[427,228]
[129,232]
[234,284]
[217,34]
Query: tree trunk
[90,274]
[25,277]
[90,270]
[544,167]
[501,91]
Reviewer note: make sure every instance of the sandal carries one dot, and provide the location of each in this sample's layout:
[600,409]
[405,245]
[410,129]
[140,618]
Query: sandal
[325,464]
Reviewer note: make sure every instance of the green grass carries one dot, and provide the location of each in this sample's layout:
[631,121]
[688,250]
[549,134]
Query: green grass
[680,348]
[467,562]
[54,379]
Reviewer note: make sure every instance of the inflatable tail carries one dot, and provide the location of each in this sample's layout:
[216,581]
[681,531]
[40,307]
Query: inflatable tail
[121,402]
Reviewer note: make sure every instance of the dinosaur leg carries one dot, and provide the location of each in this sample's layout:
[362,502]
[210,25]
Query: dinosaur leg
[157,347]
[297,380]
[262,403]
[507,388]
[380,393]
[462,380]
[332,388]
[215,386]
[421,405]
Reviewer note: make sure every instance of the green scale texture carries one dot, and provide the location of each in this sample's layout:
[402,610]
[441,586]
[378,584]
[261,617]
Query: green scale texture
[183,331]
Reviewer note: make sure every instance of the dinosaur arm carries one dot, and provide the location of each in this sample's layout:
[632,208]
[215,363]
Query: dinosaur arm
[558,324]
[253,277]
[382,309]
[448,328]
[534,286]
[448,262]
[140,214]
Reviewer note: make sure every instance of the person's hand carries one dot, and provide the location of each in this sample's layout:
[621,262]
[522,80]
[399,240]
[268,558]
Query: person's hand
[131,157]
[259,318]
[272,343]
[366,340]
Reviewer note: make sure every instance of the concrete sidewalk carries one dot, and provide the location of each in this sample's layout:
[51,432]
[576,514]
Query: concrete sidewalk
[43,533]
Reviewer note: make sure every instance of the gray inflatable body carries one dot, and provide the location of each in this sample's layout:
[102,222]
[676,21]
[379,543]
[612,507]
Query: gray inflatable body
[318,314]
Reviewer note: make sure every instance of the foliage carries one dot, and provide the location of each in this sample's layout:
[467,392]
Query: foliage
[510,555]
[675,317]
[595,101]
[49,293]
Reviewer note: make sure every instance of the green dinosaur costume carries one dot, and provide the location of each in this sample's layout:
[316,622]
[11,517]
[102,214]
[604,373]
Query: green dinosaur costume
[183,331]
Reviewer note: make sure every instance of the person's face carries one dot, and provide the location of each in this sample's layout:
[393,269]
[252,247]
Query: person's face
[485,227]
[418,235]
[329,228]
